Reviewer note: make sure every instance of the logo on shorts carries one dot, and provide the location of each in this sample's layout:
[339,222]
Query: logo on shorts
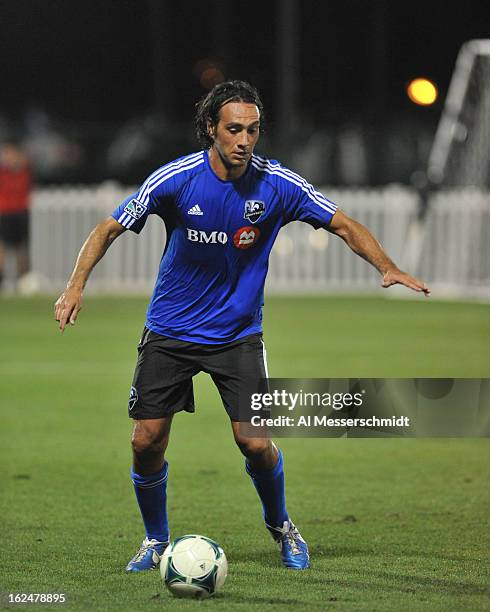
[254,209]
[246,237]
[135,209]
[133,398]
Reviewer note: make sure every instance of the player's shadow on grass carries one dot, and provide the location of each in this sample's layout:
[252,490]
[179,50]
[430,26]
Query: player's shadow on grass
[270,557]
[339,551]
[253,599]
[443,585]
[266,558]
[396,582]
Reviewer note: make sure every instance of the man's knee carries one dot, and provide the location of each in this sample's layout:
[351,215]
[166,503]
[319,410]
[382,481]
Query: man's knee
[144,444]
[253,447]
[149,438]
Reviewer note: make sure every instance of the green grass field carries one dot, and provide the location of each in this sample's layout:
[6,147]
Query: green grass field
[392,524]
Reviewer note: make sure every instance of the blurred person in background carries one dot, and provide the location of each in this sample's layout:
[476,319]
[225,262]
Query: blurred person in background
[15,196]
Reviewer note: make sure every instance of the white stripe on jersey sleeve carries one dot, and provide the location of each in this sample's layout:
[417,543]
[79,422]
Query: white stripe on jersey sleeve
[163,178]
[264,165]
[315,196]
[310,188]
[123,219]
[165,168]
[167,176]
[143,192]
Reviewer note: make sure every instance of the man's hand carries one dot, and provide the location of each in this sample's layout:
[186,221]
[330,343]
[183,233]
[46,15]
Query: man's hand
[397,277]
[364,244]
[67,307]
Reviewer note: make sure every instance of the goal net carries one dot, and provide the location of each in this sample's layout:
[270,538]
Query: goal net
[447,240]
[460,155]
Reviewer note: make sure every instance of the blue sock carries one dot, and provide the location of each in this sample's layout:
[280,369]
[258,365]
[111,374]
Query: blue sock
[151,493]
[270,487]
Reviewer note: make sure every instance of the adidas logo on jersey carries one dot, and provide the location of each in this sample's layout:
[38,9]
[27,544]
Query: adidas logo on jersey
[195,210]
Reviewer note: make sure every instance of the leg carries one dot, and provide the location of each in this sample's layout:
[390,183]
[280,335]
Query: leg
[239,371]
[149,442]
[261,453]
[264,465]
[149,475]
[22,256]
[162,385]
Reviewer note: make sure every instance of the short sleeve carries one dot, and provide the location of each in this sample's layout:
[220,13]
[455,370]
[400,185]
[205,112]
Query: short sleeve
[302,202]
[152,197]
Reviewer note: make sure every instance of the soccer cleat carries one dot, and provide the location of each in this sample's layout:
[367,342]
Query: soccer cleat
[294,550]
[148,556]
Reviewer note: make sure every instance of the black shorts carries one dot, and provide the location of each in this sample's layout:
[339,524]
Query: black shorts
[162,382]
[14,228]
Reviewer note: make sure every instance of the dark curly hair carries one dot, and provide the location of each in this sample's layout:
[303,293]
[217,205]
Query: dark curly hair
[208,107]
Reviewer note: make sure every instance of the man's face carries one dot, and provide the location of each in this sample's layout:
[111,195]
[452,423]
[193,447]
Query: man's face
[236,133]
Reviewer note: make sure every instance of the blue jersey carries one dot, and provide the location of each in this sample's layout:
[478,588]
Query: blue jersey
[220,233]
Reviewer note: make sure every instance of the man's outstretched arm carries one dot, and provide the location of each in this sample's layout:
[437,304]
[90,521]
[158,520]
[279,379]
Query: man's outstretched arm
[364,244]
[69,303]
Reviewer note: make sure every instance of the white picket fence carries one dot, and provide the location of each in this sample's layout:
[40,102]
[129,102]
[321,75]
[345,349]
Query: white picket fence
[450,251]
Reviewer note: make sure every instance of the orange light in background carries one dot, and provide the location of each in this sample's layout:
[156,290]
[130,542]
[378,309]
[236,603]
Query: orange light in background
[422,91]
[211,77]
[209,73]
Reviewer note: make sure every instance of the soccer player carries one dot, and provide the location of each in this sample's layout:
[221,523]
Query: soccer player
[223,208]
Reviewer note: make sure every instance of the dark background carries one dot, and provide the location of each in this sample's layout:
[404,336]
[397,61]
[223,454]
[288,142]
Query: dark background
[111,85]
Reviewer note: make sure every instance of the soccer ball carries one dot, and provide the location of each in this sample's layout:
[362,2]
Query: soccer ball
[194,566]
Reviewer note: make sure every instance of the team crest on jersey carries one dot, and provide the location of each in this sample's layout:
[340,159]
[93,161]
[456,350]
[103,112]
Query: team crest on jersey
[133,398]
[246,237]
[135,209]
[254,209]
